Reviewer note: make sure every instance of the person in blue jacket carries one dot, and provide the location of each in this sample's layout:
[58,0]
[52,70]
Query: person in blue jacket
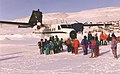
[47,48]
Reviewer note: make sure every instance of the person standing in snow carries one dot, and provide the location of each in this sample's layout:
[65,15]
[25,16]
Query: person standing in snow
[97,47]
[105,39]
[84,44]
[61,44]
[53,40]
[89,36]
[41,46]
[108,38]
[101,38]
[93,48]
[57,44]
[114,46]
[96,36]
[51,46]
[112,34]
[76,45]
[69,45]
[47,48]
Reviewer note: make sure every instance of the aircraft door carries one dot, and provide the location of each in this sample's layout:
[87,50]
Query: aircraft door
[59,27]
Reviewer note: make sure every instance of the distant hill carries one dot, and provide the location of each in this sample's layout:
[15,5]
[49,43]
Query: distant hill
[93,15]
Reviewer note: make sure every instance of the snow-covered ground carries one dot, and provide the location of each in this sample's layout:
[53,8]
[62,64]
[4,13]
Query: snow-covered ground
[22,57]
[19,54]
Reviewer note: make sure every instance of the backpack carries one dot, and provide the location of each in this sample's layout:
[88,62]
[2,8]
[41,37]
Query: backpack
[98,43]
[93,43]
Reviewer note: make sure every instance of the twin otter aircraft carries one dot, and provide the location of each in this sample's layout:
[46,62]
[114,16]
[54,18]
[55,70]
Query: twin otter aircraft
[62,30]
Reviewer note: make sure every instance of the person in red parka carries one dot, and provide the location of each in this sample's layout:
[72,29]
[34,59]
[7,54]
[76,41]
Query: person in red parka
[69,45]
[101,38]
[76,45]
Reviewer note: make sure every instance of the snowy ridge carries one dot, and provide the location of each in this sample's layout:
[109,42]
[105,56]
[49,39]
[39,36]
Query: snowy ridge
[93,15]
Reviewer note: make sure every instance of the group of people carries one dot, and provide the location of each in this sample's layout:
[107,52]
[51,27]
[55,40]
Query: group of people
[104,38]
[54,45]
[72,45]
[93,42]
[51,46]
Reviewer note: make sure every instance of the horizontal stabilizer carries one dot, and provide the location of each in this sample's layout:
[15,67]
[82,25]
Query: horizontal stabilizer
[14,23]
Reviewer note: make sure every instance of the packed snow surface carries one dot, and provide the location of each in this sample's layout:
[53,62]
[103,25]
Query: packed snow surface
[22,56]
[19,54]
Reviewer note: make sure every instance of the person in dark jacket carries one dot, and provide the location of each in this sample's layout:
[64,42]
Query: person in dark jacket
[84,44]
[108,38]
[113,35]
[57,43]
[61,44]
[41,46]
[89,36]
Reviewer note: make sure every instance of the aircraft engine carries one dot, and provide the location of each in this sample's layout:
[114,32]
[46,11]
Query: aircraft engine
[73,34]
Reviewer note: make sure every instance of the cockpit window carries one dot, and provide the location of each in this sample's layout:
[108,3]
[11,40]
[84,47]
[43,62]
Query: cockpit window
[70,26]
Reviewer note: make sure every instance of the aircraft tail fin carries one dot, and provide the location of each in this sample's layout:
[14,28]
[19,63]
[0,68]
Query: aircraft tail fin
[35,17]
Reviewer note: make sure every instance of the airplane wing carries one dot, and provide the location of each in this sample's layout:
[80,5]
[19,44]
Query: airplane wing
[97,24]
[14,23]
[91,24]
[80,26]
[20,24]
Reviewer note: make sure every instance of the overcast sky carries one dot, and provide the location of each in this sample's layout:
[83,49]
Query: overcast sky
[12,9]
